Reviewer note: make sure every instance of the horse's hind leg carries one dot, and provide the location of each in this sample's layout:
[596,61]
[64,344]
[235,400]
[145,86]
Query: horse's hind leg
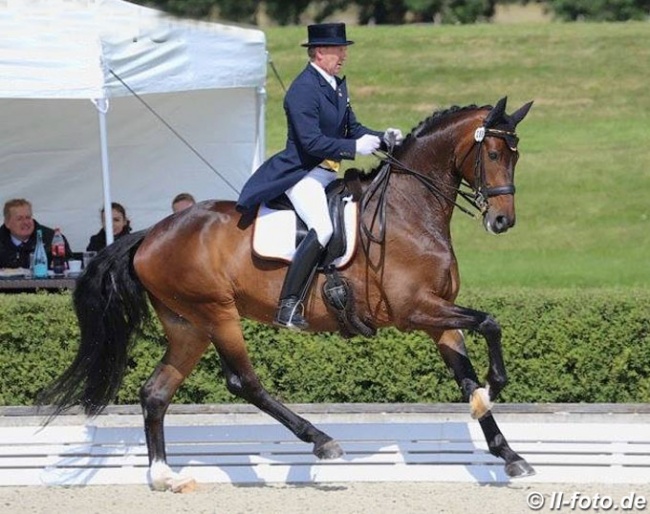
[452,348]
[242,381]
[185,347]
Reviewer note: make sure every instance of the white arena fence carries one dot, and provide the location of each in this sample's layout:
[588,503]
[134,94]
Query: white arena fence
[570,443]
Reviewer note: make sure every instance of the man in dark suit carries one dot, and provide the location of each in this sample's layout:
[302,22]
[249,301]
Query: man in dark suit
[322,131]
[18,235]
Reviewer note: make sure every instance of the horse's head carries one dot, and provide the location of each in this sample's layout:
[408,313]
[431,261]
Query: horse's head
[488,164]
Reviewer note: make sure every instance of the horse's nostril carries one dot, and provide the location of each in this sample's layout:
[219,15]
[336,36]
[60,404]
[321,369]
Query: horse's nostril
[501,224]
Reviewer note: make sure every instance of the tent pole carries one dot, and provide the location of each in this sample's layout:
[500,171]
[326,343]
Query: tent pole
[260,144]
[102,109]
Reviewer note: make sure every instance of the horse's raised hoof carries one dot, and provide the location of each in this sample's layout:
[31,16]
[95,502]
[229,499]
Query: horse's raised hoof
[519,469]
[330,450]
[480,403]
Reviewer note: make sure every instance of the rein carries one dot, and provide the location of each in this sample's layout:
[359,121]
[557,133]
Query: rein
[478,200]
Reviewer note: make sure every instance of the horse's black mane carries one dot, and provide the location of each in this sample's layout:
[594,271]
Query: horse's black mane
[430,123]
[425,127]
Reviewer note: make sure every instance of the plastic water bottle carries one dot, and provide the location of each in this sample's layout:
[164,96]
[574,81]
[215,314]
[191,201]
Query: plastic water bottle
[40,257]
[58,253]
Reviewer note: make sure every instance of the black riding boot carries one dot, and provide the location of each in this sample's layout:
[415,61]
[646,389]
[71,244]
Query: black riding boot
[297,282]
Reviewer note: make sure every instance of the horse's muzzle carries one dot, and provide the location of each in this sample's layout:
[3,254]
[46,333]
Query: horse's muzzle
[497,223]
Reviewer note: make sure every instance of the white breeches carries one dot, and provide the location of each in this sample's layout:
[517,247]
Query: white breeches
[309,201]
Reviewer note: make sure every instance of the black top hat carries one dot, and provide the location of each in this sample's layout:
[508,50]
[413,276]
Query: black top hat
[327,34]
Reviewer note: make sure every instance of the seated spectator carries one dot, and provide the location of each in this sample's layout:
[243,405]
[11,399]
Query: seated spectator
[121,227]
[182,201]
[18,235]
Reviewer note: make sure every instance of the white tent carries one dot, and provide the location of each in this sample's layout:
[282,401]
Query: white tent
[183,103]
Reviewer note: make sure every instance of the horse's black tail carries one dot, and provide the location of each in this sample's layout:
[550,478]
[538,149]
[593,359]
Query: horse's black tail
[110,304]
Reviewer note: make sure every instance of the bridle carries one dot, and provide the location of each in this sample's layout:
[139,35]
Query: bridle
[477,196]
[481,191]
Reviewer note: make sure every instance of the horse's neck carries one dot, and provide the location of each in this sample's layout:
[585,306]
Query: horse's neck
[406,207]
[436,161]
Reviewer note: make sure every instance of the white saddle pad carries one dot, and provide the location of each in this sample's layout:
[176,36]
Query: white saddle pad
[274,234]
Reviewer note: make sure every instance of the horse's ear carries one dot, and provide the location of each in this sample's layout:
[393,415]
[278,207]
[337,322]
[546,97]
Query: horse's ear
[520,113]
[496,113]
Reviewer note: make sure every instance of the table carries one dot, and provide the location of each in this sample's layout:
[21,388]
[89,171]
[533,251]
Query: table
[30,285]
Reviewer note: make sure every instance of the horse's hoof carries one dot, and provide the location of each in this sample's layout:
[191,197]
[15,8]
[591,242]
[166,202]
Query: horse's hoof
[164,479]
[329,450]
[519,469]
[183,485]
[480,403]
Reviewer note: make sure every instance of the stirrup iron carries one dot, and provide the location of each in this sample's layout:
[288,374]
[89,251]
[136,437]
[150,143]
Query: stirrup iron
[290,314]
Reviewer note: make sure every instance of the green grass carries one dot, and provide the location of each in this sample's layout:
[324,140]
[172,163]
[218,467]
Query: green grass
[583,180]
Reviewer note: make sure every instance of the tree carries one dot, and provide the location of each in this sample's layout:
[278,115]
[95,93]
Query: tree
[286,13]
[242,11]
[467,11]
[425,10]
[187,8]
[600,10]
[381,12]
[449,11]
[324,8]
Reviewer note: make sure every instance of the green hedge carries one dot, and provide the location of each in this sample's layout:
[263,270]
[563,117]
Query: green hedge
[559,346]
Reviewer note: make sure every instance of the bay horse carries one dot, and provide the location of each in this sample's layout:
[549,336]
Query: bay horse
[197,270]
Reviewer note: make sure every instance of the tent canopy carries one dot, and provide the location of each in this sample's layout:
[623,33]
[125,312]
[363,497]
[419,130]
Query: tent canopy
[185,110]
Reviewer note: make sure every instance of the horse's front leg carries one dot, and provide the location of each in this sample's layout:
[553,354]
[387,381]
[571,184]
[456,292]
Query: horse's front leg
[451,345]
[490,329]
[437,315]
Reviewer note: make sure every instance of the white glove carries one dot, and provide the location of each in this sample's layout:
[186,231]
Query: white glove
[367,144]
[393,136]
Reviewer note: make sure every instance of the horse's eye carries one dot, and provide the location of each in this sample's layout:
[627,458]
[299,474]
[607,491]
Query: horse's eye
[493,156]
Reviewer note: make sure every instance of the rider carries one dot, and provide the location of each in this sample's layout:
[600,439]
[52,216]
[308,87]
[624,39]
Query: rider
[322,130]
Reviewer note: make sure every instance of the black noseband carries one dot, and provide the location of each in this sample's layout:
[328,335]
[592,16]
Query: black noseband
[498,191]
